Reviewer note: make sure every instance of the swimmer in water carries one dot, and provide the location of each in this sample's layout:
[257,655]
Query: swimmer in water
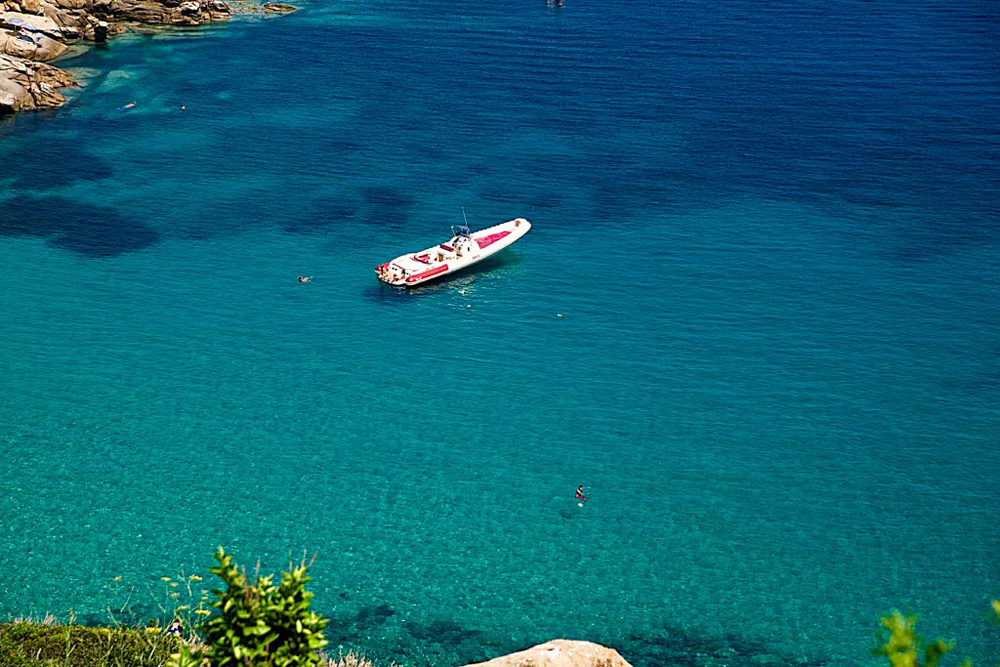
[129,105]
[304,279]
[579,495]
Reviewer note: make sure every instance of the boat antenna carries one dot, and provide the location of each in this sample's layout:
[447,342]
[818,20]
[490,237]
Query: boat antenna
[463,229]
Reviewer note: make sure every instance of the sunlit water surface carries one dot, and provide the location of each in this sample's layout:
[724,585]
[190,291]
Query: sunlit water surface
[757,316]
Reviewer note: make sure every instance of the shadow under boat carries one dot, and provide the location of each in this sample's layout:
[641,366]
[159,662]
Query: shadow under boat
[501,264]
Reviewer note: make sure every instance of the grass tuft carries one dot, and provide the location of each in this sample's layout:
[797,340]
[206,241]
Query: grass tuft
[47,644]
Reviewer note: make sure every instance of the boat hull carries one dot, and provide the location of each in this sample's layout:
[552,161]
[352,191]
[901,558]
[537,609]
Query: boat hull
[461,252]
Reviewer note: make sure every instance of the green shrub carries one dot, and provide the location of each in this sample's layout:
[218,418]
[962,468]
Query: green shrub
[902,643]
[259,624]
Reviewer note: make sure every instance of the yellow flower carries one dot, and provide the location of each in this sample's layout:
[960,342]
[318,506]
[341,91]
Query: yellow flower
[175,584]
[194,577]
[203,612]
[996,607]
[152,629]
[164,578]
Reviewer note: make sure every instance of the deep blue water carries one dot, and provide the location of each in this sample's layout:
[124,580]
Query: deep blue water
[758,316]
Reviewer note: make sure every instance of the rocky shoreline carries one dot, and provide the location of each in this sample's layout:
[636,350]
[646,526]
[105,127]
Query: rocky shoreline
[34,32]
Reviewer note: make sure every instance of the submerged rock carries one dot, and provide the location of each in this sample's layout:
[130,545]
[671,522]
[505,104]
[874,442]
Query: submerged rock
[560,653]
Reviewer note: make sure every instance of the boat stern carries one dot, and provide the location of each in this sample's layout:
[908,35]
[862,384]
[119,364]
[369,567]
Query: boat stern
[391,273]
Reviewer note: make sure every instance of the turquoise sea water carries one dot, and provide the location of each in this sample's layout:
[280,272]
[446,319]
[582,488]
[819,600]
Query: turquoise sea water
[757,316]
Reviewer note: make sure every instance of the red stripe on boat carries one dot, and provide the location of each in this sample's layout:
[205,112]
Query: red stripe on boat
[427,274]
[492,238]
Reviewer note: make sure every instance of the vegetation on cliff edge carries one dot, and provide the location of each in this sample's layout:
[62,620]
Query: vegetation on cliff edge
[257,623]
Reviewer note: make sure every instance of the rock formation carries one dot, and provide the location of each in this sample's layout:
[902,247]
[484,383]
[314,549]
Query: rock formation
[25,84]
[34,31]
[560,653]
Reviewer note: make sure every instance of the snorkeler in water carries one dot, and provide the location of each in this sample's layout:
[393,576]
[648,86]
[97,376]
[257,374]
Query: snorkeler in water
[579,494]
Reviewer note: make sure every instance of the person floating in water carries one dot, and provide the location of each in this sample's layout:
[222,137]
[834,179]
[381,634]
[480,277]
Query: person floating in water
[128,106]
[304,279]
[579,495]
[175,628]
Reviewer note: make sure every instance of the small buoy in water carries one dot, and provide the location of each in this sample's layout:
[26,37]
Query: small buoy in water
[559,315]
[579,504]
[468,305]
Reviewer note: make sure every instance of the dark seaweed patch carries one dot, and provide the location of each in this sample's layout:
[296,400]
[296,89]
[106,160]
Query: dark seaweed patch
[341,630]
[387,207]
[347,629]
[388,197]
[90,231]
[336,147]
[326,213]
[441,631]
[930,240]
[445,641]
[672,645]
[61,162]
[369,617]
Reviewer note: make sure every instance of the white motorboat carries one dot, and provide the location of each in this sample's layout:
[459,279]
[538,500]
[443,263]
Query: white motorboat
[464,249]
